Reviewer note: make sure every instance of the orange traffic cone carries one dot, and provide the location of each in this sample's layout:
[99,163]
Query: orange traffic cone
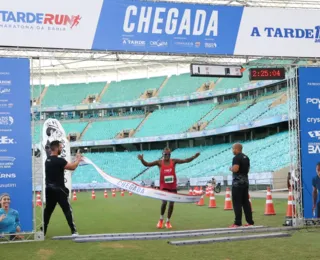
[190,191]
[269,209]
[201,201]
[291,209]
[212,201]
[113,194]
[74,197]
[130,193]
[38,202]
[227,201]
[250,203]
[105,194]
[122,193]
[93,195]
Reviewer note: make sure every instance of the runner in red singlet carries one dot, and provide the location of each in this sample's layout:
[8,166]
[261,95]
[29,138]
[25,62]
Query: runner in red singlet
[168,179]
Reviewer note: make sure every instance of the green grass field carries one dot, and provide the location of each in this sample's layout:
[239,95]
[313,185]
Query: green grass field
[138,214]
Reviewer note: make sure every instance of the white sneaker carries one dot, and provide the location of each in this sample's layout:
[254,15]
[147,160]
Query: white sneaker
[75,234]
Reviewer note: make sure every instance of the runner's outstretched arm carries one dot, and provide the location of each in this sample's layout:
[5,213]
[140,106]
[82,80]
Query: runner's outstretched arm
[179,161]
[148,164]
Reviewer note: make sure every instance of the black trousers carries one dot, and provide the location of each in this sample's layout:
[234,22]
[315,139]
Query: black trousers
[240,199]
[58,195]
[318,210]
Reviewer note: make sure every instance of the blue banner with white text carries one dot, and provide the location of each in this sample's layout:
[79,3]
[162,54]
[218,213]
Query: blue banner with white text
[309,102]
[16,213]
[142,26]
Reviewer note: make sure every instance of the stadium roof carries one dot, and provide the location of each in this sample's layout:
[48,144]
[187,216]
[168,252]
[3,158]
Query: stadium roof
[58,66]
[310,4]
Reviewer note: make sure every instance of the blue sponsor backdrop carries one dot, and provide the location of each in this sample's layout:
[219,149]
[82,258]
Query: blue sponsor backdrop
[309,100]
[159,27]
[15,138]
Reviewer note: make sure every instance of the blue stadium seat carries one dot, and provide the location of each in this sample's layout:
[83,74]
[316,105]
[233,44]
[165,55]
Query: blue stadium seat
[214,160]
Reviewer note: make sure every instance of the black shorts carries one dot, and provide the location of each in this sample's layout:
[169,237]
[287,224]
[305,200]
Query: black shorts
[172,191]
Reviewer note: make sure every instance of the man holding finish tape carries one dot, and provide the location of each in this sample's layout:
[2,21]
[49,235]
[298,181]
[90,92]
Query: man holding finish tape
[168,179]
[56,191]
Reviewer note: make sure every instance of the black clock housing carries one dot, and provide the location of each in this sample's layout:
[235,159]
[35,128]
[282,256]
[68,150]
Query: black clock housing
[267,73]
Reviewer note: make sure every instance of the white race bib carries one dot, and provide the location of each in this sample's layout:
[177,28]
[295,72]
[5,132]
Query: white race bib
[168,179]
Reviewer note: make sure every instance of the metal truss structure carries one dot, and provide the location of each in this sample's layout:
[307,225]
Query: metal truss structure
[59,66]
[71,66]
[294,146]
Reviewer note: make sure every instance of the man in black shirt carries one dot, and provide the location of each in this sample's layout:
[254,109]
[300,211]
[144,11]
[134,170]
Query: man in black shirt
[56,191]
[240,186]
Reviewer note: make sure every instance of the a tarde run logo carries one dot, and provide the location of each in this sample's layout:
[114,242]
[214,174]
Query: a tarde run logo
[295,33]
[38,21]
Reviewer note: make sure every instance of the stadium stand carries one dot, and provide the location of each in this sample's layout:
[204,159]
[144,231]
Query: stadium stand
[36,91]
[128,90]
[74,127]
[227,83]
[71,94]
[36,134]
[227,115]
[108,129]
[183,85]
[214,160]
[69,127]
[252,113]
[211,115]
[164,121]
[270,62]
[173,120]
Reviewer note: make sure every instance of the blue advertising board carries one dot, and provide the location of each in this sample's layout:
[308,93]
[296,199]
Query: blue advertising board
[15,146]
[142,26]
[309,103]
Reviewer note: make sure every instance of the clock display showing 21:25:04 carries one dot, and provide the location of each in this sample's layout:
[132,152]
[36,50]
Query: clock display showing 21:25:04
[267,73]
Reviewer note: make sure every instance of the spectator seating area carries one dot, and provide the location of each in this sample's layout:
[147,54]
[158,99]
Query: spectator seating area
[130,90]
[179,85]
[179,119]
[71,94]
[214,160]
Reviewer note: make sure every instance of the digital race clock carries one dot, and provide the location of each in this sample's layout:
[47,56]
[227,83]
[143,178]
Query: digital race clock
[267,74]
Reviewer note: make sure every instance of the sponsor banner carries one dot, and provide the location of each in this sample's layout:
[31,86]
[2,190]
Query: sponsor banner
[261,178]
[159,27]
[52,130]
[309,93]
[156,100]
[65,24]
[226,129]
[278,32]
[15,146]
[140,190]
